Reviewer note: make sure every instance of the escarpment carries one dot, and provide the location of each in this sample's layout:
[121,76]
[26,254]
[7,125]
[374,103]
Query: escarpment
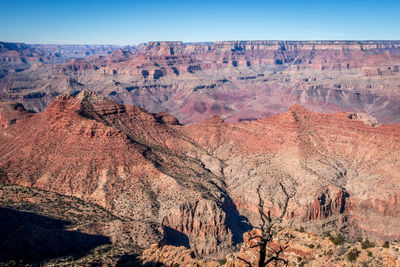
[237,80]
[195,185]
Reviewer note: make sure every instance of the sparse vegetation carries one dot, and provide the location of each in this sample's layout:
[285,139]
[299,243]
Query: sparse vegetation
[338,240]
[222,262]
[367,244]
[353,255]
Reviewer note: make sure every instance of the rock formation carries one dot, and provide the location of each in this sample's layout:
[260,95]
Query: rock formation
[237,80]
[194,185]
[304,249]
[122,158]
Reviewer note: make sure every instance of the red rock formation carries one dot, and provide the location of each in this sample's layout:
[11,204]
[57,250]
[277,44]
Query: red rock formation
[194,220]
[10,113]
[324,206]
[120,157]
[194,179]
[238,80]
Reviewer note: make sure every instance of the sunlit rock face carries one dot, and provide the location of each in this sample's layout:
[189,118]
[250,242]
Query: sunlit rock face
[237,80]
[194,185]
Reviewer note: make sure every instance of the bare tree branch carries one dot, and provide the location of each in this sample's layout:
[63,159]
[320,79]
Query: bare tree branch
[247,262]
[254,237]
[267,230]
[285,206]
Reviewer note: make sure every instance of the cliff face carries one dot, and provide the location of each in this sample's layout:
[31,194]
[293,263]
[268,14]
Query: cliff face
[121,158]
[335,163]
[18,57]
[324,205]
[203,222]
[238,80]
[195,185]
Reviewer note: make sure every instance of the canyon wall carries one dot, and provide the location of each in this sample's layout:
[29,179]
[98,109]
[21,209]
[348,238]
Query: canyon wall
[195,185]
[237,80]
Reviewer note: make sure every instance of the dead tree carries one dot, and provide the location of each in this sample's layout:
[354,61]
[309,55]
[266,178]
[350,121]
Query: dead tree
[267,229]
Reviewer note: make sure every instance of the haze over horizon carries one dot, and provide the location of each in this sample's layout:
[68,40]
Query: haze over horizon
[134,22]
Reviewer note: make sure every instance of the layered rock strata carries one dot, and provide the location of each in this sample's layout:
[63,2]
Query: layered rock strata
[195,185]
[237,80]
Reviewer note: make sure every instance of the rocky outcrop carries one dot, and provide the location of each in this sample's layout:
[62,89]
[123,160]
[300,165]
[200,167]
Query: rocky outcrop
[203,224]
[324,205]
[299,249]
[11,112]
[121,158]
[365,118]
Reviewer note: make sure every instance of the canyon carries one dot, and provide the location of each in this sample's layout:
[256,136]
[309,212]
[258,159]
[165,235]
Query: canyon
[159,148]
[194,185]
[237,80]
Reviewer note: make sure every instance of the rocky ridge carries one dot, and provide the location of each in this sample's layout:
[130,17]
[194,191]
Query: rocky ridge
[122,158]
[195,185]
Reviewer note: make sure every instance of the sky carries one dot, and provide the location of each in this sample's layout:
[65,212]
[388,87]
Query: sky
[132,22]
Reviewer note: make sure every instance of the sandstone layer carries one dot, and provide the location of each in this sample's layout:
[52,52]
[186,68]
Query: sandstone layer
[194,185]
[237,80]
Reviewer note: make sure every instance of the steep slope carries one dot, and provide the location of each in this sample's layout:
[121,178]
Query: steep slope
[127,161]
[38,225]
[195,185]
[345,171]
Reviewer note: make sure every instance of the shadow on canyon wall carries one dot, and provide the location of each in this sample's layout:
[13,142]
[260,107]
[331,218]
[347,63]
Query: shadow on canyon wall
[237,223]
[26,236]
[174,238]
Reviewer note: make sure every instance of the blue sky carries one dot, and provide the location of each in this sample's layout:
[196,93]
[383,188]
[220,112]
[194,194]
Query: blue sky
[133,22]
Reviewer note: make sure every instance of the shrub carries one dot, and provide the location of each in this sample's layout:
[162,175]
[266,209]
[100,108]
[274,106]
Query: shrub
[353,255]
[310,245]
[386,244]
[339,239]
[222,262]
[301,230]
[369,254]
[318,246]
[366,244]
[289,235]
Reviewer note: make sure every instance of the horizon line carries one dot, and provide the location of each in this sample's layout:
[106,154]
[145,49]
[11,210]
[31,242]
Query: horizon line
[207,42]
